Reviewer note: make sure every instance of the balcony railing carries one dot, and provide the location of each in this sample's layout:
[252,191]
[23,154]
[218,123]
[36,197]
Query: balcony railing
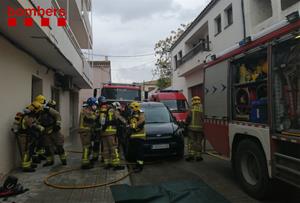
[202,46]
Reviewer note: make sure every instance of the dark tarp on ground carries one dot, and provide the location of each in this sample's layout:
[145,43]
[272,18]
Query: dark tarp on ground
[175,192]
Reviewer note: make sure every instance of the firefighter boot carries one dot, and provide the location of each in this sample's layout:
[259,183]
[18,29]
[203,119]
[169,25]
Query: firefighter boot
[107,164]
[190,158]
[199,159]
[198,156]
[116,161]
[85,162]
[62,155]
[36,159]
[50,161]
[95,157]
[26,163]
[139,166]
[63,159]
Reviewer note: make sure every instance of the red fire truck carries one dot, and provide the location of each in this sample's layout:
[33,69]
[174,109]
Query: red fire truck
[252,107]
[122,93]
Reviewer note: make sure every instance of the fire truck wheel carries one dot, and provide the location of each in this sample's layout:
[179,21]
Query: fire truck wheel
[251,169]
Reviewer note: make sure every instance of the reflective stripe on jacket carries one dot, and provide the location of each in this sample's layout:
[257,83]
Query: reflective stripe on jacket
[111,129]
[137,122]
[196,119]
[87,119]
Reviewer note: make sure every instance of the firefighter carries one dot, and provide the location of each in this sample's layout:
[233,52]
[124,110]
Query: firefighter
[29,132]
[50,119]
[39,152]
[195,131]
[120,125]
[137,134]
[109,117]
[87,121]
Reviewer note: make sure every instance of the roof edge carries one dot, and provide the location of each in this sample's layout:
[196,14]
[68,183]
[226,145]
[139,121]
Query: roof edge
[211,4]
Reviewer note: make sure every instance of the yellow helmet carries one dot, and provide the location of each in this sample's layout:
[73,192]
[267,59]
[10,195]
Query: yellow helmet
[35,106]
[196,100]
[41,99]
[135,106]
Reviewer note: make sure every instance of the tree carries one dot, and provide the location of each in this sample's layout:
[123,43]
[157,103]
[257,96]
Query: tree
[162,49]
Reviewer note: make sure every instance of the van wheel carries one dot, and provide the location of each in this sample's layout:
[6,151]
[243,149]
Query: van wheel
[251,169]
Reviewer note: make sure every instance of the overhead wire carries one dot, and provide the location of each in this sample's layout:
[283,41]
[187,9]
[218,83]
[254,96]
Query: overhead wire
[133,67]
[122,56]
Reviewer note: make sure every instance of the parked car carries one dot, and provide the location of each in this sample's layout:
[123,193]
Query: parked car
[164,137]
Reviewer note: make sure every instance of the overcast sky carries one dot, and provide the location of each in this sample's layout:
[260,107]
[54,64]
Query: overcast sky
[132,27]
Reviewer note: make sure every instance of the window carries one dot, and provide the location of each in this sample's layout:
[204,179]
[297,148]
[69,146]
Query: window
[228,16]
[176,62]
[288,3]
[218,25]
[176,106]
[159,114]
[179,58]
[180,55]
[260,10]
[121,94]
[207,43]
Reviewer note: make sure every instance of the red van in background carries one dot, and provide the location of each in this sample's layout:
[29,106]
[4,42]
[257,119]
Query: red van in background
[175,101]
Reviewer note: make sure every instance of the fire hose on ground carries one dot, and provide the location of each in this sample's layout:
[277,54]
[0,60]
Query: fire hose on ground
[56,186]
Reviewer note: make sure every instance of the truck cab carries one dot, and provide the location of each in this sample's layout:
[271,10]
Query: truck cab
[175,101]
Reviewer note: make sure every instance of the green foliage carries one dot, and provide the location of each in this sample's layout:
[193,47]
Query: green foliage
[163,83]
[162,49]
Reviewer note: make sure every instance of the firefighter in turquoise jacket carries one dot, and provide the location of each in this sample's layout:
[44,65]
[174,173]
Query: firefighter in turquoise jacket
[195,130]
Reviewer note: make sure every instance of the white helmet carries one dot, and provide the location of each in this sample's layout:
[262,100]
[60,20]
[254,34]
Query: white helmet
[117,105]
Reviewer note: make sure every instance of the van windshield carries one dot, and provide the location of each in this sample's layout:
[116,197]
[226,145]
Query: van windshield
[176,105]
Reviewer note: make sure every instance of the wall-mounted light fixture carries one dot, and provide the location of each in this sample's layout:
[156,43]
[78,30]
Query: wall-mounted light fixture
[213,57]
[245,41]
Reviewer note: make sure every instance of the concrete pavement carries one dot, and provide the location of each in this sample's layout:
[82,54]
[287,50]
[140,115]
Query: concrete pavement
[39,192]
[215,172]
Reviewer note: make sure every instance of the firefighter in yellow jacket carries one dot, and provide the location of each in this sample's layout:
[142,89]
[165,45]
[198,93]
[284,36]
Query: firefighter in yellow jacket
[87,122]
[195,130]
[50,119]
[137,135]
[109,117]
[29,132]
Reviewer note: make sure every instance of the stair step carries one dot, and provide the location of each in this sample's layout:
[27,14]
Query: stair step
[287,169]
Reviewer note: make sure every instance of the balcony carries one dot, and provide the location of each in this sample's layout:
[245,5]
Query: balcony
[78,20]
[54,47]
[202,46]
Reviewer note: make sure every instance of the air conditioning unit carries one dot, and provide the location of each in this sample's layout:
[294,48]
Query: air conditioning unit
[63,81]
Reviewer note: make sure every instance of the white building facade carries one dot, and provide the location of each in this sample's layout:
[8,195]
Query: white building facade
[218,29]
[42,59]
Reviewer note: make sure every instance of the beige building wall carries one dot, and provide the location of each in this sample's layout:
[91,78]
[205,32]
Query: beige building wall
[17,69]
